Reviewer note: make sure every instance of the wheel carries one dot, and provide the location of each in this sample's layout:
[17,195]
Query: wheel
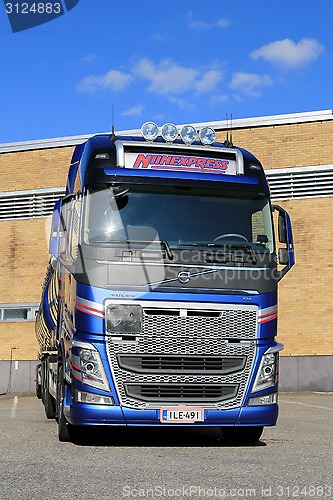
[241,435]
[38,391]
[64,428]
[230,235]
[48,400]
[49,404]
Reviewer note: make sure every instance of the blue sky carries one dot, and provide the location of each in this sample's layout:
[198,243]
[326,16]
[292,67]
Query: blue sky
[180,61]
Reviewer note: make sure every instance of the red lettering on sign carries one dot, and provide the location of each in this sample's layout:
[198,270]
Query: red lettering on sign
[165,160]
[211,164]
[142,161]
[201,162]
[183,161]
[174,160]
[191,161]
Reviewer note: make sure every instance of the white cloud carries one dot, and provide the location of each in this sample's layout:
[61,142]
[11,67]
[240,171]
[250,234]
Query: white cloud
[136,110]
[204,25]
[250,83]
[168,77]
[90,58]
[113,80]
[288,54]
[161,37]
[209,81]
[217,100]
[183,104]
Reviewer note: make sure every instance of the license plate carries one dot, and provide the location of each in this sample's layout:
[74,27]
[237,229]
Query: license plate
[182,415]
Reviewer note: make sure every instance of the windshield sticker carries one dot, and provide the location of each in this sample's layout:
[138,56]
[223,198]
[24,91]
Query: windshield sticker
[184,163]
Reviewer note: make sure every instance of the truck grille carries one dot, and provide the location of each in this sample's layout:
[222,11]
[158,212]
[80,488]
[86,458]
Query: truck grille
[181,392]
[228,323]
[186,354]
[205,365]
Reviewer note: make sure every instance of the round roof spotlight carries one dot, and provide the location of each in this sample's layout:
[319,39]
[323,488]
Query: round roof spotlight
[207,136]
[169,132]
[149,131]
[188,134]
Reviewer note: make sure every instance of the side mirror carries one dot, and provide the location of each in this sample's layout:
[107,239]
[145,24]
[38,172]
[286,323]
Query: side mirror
[283,256]
[54,242]
[286,254]
[58,238]
[282,229]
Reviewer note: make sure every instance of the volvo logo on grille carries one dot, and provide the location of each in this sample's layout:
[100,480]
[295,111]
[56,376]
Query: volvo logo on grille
[184,277]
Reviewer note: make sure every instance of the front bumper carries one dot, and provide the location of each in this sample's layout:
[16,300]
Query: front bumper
[90,414]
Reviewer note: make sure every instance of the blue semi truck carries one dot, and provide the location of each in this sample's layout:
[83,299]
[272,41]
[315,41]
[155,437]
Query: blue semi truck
[159,305]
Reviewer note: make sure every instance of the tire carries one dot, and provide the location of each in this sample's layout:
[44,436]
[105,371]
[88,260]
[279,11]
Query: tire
[38,391]
[49,405]
[64,428]
[48,400]
[241,435]
[43,371]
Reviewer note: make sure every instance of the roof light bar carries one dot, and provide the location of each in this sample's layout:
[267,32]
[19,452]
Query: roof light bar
[169,132]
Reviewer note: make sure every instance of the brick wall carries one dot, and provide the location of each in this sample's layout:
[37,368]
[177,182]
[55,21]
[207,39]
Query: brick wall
[305,296]
[294,145]
[24,256]
[43,168]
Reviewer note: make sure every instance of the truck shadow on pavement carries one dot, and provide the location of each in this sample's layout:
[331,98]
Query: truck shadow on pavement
[152,437]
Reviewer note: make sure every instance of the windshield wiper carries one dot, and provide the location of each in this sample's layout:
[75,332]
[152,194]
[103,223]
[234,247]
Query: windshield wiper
[164,243]
[245,246]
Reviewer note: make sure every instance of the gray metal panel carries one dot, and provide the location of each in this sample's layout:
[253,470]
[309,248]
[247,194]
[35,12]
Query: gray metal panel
[306,373]
[17,376]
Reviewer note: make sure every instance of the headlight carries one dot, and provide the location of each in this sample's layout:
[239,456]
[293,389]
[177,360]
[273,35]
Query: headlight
[207,136]
[169,132]
[92,371]
[123,319]
[269,369]
[188,134]
[149,131]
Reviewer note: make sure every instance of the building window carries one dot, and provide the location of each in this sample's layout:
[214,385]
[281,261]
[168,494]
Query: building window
[18,312]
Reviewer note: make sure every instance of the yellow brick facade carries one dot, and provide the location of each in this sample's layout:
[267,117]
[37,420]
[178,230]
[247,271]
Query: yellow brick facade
[305,294]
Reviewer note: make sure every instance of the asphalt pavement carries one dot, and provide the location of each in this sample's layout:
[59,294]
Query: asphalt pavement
[292,460]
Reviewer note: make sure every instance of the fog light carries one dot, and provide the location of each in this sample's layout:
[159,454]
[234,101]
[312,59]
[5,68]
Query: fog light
[270,399]
[207,136]
[169,132]
[188,134]
[95,399]
[149,131]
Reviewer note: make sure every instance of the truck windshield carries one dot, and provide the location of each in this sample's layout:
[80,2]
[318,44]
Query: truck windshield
[178,216]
